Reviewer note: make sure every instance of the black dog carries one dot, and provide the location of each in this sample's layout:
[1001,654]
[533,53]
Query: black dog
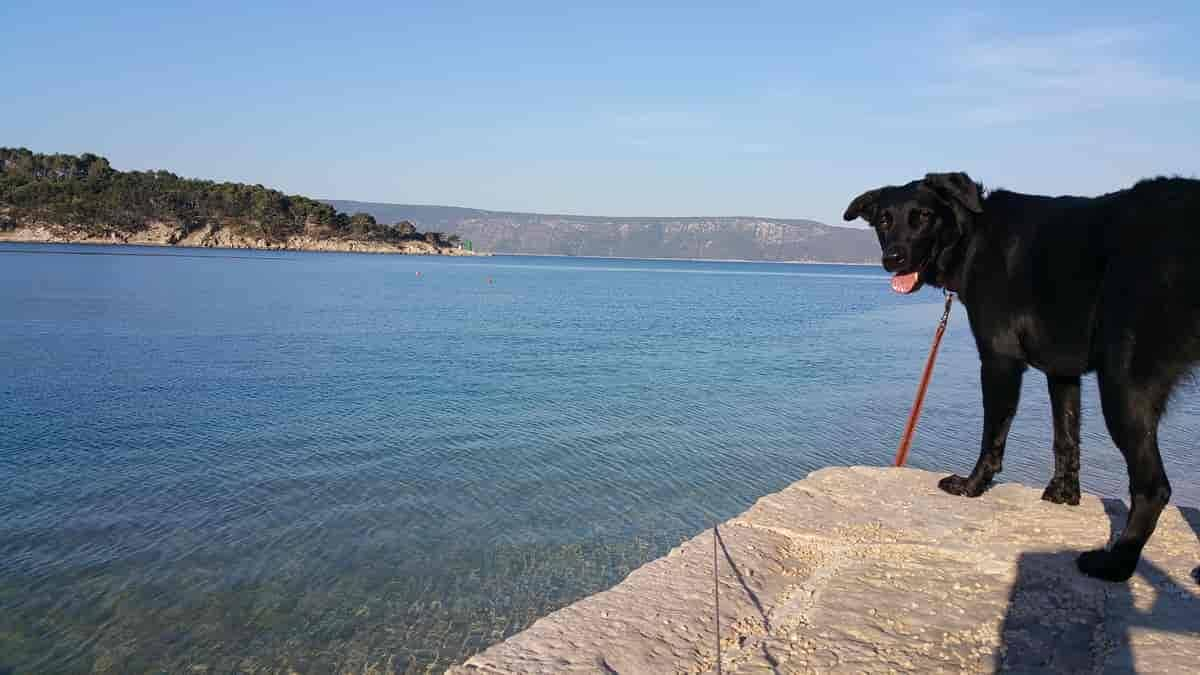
[1068,285]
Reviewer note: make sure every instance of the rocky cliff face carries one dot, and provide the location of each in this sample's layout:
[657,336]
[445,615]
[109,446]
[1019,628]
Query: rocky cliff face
[691,237]
[724,238]
[164,234]
[876,570]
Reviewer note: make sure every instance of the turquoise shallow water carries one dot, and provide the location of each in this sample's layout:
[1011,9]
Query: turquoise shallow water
[258,461]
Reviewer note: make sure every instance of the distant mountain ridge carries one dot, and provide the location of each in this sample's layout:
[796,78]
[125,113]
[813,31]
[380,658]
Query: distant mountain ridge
[734,238]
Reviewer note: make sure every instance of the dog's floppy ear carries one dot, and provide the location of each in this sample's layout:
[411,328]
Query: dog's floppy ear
[956,188]
[863,205]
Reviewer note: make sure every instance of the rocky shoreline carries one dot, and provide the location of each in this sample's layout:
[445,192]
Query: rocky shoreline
[862,569]
[163,234]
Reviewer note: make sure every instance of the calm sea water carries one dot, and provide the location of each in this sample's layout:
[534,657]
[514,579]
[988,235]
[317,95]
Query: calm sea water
[222,461]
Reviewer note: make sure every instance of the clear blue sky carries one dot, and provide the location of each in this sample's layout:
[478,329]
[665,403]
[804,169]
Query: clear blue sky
[773,109]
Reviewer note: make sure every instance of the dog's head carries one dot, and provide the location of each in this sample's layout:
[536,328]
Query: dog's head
[919,225]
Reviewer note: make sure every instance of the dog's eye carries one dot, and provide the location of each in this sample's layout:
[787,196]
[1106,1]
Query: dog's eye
[885,221]
[924,217]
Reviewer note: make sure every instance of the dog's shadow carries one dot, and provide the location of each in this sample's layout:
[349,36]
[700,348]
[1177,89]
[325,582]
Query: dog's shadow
[1058,622]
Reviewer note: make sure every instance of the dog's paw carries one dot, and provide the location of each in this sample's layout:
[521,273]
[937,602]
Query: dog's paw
[955,484]
[1106,565]
[963,487]
[1061,491]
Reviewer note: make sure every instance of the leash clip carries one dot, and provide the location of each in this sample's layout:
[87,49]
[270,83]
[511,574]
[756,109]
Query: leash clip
[946,311]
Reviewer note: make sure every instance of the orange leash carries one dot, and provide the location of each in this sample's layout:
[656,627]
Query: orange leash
[906,440]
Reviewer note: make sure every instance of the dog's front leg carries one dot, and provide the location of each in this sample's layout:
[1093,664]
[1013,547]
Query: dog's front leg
[1064,403]
[1001,378]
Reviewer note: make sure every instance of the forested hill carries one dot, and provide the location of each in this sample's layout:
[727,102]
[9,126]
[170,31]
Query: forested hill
[81,197]
[742,238]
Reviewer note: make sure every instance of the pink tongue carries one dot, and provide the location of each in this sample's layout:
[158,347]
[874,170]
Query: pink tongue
[904,283]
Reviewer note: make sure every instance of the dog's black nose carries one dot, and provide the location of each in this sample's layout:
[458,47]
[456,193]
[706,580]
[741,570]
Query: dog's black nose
[892,260]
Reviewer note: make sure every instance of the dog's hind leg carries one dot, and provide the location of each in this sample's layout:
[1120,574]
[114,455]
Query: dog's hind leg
[1132,413]
[1064,403]
[1001,378]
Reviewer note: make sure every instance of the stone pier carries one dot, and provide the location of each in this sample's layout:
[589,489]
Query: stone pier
[874,570]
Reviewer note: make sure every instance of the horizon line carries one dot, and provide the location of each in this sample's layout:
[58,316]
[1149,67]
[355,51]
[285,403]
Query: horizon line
[581,215]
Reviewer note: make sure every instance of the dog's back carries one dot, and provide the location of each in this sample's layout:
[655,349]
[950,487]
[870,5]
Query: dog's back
[1091,270]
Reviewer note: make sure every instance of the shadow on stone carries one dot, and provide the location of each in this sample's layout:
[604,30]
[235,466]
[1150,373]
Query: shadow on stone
[742,580]
[762,612]
[771,660]
[1192,516]
[1060,621]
